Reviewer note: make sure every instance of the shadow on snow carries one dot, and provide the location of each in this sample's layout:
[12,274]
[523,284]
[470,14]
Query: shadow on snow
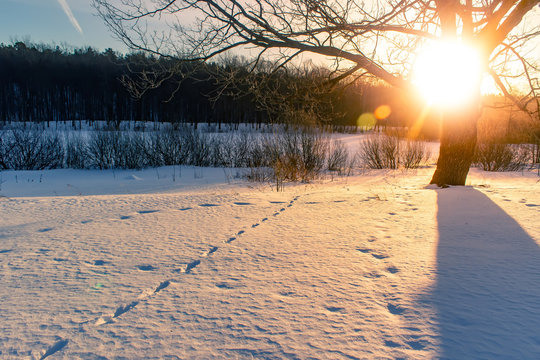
[487,294]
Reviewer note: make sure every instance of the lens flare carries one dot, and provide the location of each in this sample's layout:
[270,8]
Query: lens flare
[382,112]
[366,121]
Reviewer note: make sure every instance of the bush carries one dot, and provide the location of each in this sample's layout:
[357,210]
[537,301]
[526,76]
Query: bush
[339,159]
[386,151]
[76,152]
[380,151]
[493,156]
[31,150]
[414,154]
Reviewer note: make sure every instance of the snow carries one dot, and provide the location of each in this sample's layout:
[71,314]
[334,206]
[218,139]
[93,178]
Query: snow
[185,262]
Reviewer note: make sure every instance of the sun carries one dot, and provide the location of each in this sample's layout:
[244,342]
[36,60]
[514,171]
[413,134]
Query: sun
[447,74]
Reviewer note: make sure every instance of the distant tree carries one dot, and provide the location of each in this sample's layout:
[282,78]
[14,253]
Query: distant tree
[377,38]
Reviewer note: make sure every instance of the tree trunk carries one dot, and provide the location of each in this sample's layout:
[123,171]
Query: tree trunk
[458,143]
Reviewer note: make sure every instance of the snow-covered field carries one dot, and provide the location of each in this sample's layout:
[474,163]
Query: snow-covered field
[134,265]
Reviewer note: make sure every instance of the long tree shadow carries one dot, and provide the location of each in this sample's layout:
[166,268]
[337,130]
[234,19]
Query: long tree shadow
[487,294]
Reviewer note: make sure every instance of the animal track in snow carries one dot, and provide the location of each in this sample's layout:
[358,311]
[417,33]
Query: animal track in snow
[146,267]
[391,344]
[392,269]
[3,251]
[334,309]
[125,217]
[212,250]
[416,345]
[124,309]
[142,212]
[59,345]
[186,268]
[394,309]
[45,230]
[224,286]
[86,221]
[363,250]
[379,256]
[532,205]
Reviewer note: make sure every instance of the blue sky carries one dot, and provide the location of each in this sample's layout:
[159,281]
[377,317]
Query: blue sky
[47,21]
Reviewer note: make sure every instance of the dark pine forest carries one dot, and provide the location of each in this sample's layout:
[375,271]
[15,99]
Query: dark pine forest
[39,83]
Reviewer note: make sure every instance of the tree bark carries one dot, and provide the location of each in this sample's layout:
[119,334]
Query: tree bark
[458,144]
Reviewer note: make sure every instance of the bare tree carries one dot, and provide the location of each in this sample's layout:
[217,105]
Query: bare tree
[376,38]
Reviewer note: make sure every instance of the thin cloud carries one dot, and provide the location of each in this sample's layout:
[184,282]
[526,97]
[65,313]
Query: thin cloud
[70,15]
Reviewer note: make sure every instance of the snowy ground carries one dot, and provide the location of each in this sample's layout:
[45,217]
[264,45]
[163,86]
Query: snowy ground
[134,265]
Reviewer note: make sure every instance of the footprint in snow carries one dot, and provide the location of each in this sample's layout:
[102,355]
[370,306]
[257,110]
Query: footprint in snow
[334,309]
[3,251]
[59,345]
[265,219]
[162,286]
[86,221]
[532,205]
[277,202]
[416,345]
[208,205]
[146,267]
[379,256]
[240,232]
[373,275]
[148,211]
[391,344]
[212,250]
[396,310]
[224,286]
[186,209]
[124,309]
[254,225]
[242,203]
[99,262]
[186,268]
[45,230]
[363,250]
[392,270]
[125,217]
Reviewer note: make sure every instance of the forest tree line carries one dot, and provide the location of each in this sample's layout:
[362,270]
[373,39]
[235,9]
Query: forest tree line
[39,83]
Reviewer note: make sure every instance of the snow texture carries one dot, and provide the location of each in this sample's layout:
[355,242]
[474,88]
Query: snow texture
[132,265]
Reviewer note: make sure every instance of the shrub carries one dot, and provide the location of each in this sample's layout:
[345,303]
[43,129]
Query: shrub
[31,150]
[414,154]
[76,152]
[494,156]
[338,158]
[380,151]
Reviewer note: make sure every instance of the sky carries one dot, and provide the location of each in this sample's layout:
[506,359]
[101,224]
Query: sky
[58,22]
